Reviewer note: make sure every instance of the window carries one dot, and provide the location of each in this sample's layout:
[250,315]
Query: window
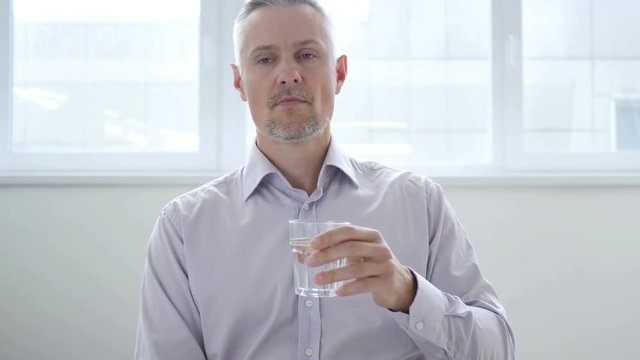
[581,74]
[419,91]
[443,87]
[625,127]
[106,86]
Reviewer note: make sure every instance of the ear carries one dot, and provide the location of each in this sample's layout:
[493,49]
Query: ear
[341,72]
[237,81]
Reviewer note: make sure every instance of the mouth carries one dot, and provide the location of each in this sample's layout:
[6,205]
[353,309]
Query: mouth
[290,101]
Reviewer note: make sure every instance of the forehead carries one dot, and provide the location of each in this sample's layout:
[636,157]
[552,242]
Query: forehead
[281,27]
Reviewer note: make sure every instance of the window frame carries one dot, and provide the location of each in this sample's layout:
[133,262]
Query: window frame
[213,105]
[6,71]
[223,129]
[516,159]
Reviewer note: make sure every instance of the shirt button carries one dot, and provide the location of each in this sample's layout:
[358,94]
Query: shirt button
[308,303]
[419,325]
[308,352]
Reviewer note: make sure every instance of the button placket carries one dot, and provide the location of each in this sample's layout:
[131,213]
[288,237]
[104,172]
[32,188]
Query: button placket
[309,328]
[309,317]
[308,352]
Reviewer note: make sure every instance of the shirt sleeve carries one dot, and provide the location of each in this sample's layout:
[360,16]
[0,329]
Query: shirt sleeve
[169,322]
[456,313]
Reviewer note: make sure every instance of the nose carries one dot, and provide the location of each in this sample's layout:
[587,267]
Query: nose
[289,75]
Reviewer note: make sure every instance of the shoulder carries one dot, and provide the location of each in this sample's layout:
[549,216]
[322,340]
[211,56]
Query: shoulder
[217,192]
[375,174]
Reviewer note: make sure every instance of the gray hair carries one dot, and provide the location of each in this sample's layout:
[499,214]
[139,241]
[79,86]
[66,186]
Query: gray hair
[252,5]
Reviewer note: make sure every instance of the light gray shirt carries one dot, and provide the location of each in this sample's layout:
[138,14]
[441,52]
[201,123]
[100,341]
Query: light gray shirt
[218,280]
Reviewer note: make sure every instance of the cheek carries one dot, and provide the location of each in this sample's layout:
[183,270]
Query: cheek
[256,95]
[256,85]
[327,94]
[258,105]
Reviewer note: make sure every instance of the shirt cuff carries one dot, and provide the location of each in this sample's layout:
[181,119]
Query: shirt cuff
[426,314]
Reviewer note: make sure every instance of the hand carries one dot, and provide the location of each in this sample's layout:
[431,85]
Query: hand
[370,263]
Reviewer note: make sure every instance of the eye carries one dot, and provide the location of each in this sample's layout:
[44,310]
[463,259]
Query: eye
[265,60]
[307,56]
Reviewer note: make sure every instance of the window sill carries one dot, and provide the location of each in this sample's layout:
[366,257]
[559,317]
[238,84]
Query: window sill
[197,179]
[107,179]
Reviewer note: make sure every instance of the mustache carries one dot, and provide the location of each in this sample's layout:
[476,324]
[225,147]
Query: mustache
[290,90]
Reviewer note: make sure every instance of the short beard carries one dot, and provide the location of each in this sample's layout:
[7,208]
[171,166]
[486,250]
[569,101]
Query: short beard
[308,129]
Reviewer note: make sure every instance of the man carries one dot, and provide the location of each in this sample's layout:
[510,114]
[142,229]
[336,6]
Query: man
[218,279]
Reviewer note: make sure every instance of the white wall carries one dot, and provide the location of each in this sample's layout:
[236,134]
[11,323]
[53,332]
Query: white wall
[565,261]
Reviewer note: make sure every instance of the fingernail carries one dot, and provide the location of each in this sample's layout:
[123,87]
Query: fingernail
[311,260]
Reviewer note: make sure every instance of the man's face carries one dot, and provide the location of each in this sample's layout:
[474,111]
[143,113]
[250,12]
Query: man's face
[287,73]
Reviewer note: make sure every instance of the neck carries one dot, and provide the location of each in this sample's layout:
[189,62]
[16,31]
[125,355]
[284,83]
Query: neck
[300,163]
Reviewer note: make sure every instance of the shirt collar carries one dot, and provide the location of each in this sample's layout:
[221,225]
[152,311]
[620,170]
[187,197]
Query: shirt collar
[258,167]
[340,160]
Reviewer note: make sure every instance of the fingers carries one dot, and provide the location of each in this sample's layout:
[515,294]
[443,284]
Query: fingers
[367,277]
[352,250]
[371,266]
[344,233]
[355,287]
[353,271]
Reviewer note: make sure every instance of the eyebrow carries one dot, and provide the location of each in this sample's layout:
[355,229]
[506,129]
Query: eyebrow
[300,43]
[306,42]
